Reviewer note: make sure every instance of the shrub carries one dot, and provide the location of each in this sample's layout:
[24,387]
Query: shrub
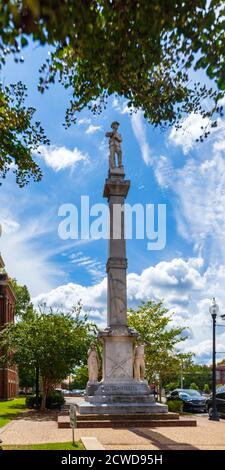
[171,386]
[31,401]
[55,400]
[206,388]
[175,406]
[194,386]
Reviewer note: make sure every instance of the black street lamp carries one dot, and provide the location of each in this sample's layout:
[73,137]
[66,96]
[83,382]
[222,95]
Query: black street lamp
[214,309]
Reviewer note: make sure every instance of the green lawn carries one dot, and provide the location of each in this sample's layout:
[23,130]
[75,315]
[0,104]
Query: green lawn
[50,446]
[9,409]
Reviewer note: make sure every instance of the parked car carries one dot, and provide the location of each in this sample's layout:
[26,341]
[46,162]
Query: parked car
[64,391]
[192,400]
[77,392]
[220,402]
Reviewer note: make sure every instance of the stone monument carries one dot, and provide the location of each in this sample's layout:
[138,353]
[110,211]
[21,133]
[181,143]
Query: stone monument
[123,388]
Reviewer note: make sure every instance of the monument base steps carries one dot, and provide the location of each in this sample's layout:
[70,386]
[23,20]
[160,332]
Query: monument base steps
[151,420]
[120,407]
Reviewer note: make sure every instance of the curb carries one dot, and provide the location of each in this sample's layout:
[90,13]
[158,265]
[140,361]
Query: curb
[91,443]
[4,428]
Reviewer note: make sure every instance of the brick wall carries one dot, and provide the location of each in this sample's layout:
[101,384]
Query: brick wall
[8,375]
[8,383]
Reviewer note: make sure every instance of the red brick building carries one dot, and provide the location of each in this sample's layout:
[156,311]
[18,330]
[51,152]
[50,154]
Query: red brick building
[8,375]
[220,374]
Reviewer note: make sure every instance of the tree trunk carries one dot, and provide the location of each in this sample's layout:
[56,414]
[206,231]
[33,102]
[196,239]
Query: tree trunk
[43,402]
[160,390]
[44,396]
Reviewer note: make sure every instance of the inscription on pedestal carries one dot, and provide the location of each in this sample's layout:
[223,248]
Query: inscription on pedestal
[118,388]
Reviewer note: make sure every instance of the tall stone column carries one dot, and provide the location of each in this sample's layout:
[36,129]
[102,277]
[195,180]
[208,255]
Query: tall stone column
[116,190]
[117,337]
[118,392]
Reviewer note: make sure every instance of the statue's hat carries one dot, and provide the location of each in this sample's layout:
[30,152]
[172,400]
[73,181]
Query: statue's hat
[115,122]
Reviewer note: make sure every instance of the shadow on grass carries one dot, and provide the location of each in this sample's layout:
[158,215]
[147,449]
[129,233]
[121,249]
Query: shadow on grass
[18,407]
[8,416]
[34,415]
[30,415]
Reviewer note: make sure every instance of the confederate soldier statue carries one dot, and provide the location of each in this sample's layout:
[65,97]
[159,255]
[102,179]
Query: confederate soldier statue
[115,140]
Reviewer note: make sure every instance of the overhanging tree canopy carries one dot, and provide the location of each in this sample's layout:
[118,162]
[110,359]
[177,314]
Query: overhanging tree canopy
[140,49]
[19,135]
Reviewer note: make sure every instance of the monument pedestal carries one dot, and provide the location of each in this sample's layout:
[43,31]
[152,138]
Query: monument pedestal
[118,392]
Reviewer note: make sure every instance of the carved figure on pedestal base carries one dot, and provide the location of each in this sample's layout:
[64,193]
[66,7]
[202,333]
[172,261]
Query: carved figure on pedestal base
[93,364]
[139,362]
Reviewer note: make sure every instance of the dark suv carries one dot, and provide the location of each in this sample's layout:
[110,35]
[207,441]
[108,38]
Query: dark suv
[220,402]
[192,400]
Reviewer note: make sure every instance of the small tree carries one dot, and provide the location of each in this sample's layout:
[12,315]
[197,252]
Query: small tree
[53,342]
[152,321]
[194,386]
[27,376]
[199,374]
[171,386]
[80,377]
[24,308]
[206,389]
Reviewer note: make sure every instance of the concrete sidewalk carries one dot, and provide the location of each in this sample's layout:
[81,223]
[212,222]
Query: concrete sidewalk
[37,428]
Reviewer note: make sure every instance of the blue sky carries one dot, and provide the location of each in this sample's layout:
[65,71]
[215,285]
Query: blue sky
[164,168]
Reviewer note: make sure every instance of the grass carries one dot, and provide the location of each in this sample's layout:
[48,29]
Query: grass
[9,409]
[50,446]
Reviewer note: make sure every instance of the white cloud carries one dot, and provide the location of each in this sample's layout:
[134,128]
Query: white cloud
[84,121]
[203,211]
[140,132]
[24,259]
[92,129]
[30,249]
[120,106]
[190,130]
[199,190]
[27,238]
[139,127]
[164,172]
[66,296]
[59,158]
[94,267]
[8,225]
[221,102]
[187,287]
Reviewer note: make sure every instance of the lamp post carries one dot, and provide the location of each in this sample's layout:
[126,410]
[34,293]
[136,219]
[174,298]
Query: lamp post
[214,309]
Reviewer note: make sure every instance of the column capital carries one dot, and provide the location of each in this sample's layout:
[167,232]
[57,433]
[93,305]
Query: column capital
[116,187]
